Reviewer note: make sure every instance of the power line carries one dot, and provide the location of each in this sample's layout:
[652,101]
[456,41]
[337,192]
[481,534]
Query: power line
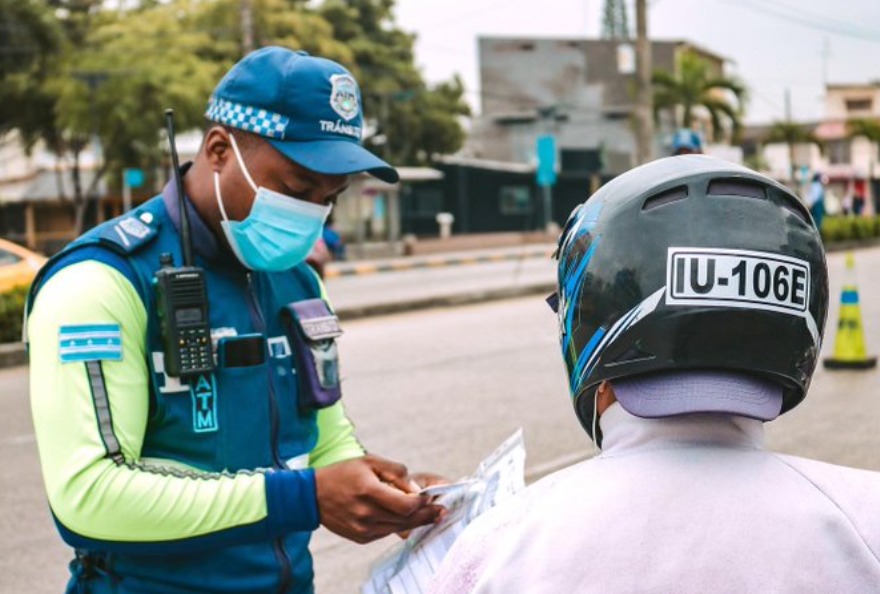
[457,19]
[815,21]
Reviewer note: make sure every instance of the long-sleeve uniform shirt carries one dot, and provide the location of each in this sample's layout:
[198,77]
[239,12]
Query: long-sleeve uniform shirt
[689,504]
[164,486]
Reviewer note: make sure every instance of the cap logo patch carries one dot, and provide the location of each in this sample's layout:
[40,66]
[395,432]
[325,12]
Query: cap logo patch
[344,96]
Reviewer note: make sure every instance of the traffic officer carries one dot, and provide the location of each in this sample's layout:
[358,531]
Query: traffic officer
[214,483]
[681,337]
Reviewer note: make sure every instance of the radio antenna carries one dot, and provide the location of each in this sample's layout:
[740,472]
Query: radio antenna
[185,237]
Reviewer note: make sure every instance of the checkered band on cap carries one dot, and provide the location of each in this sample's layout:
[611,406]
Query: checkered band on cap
[247,118]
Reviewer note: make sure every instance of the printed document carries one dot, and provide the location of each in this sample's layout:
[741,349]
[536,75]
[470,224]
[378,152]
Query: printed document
[409,567]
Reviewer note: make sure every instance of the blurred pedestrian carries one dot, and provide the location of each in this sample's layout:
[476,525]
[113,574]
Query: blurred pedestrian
[686,141]
[816,198]
[858,203]
[681,337]
[334,240]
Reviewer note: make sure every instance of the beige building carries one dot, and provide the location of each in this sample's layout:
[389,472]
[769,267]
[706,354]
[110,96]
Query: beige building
[36,189]
[852,164]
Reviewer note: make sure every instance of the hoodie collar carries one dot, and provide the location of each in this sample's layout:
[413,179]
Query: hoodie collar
[203,239]
[624,433]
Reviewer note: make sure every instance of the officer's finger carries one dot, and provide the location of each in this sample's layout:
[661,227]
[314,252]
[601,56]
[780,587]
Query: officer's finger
[429,514]
[393,500]
[390,472]
[382,524]
[368,524]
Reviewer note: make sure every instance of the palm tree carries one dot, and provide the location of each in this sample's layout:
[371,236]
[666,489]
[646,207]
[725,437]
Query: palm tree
[792,134]
[695,86]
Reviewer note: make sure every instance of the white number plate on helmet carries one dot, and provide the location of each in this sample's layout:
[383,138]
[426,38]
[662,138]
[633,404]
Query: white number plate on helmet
[737,278]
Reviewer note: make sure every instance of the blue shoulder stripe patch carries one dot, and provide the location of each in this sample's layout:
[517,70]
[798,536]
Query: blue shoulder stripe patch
[90,342]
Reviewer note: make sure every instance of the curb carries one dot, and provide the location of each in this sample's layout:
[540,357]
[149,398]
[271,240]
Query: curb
[851,245]
[14,354]
[336,271]
[382,309]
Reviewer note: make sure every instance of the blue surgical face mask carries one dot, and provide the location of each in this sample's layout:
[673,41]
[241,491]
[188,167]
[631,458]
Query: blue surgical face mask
[280,230]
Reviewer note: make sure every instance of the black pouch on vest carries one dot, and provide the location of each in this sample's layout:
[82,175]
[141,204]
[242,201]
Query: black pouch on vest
[313,329]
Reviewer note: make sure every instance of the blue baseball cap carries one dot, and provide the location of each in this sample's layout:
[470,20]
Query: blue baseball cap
[308,108]
[687,139]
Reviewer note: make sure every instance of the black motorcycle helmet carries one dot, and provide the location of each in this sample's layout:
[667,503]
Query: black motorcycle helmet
[686,263]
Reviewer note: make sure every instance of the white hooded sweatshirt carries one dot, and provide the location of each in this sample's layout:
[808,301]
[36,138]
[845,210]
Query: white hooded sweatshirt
[688,504]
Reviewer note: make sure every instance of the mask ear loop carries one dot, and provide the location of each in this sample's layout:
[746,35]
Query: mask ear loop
[244,170]
[596,449]
[219,197]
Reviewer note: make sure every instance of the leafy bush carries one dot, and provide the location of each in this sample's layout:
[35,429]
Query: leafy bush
[843,228]
[11,314]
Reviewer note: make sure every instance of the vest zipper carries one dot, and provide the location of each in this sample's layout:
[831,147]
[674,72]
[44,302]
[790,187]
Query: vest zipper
[260,324]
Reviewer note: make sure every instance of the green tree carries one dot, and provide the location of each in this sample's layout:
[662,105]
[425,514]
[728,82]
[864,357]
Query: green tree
[31,40]
[288,23]
[694,86]
[792,134]
[88,72]
[32,44]
[410,121]
[116,85]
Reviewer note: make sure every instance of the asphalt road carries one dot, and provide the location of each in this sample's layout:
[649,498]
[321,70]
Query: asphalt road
[438,390]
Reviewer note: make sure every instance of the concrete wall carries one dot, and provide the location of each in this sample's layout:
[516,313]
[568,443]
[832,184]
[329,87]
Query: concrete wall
[589,84]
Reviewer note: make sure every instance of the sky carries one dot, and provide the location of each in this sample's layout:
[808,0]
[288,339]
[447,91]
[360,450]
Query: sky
[774,45]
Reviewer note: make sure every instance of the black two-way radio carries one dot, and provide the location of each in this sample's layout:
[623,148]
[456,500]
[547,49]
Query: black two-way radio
[182,295]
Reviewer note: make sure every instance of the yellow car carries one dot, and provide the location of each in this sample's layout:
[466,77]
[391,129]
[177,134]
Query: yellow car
[18,265]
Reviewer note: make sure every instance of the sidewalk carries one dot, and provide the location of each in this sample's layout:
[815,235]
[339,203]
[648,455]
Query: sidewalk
[362,267]
[369,288]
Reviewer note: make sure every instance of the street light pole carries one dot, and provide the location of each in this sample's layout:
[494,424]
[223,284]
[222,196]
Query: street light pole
[247,27]
[644,104]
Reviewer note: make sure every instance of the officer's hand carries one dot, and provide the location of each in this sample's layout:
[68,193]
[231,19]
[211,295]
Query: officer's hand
[428,479]
[421,480]
[368,498]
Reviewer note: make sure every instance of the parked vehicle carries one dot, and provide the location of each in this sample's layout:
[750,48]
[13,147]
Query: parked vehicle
[18,265]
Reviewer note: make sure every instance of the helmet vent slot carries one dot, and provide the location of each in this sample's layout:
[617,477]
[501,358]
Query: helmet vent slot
[736,187]
[664,198]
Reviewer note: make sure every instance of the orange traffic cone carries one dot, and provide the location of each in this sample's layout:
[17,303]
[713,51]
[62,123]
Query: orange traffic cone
[849,348]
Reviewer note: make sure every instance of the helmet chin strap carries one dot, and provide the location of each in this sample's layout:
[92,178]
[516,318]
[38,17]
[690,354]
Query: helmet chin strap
[596,449]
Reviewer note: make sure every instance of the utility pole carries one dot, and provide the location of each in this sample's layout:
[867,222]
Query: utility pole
[247,27]
[791,165]
[615,24]
[644,103]
[826,54]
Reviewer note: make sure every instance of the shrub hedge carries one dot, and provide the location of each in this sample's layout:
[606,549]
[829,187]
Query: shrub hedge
[843,228]
[12,313]
[834,229]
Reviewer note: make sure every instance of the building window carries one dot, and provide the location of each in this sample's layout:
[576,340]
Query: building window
[838,151]
[626,59]
[516,200]
[859,105]
[8,258]
[427,202]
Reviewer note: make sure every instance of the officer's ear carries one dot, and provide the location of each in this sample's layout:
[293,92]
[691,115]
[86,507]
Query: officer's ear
[605,397]
[216,148]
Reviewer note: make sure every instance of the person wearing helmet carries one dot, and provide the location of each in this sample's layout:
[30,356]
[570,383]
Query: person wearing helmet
[686,142]
[681,337]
